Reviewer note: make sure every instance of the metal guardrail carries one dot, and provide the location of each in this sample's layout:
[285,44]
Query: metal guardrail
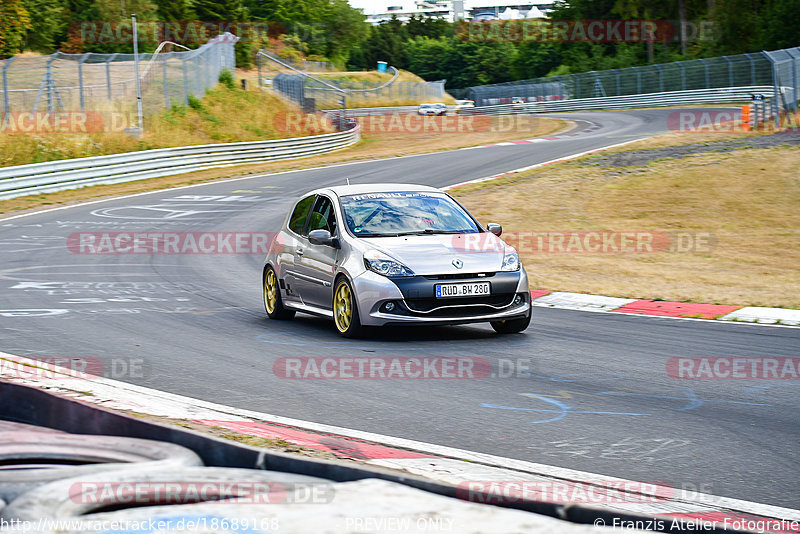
[365,112]
[55,176]
[670,98]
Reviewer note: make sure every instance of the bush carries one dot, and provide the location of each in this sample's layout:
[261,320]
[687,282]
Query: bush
[226,79]
[195,103]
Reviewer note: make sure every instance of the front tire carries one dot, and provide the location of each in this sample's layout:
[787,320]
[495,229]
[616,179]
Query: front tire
[273,304]
[345,310]
[512,326]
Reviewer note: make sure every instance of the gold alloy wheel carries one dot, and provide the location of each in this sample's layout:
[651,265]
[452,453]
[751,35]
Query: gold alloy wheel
[270,291]
[343,306]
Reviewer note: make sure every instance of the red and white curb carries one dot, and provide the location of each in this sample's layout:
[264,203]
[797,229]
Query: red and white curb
[661,308]
[466,469]
[685,310]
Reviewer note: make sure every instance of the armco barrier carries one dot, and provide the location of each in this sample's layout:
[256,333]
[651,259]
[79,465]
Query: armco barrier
[33,406]
[54,176]
[671,98]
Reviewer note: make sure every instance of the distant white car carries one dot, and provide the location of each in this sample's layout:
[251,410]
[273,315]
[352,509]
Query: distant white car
[464,104]
[432,109]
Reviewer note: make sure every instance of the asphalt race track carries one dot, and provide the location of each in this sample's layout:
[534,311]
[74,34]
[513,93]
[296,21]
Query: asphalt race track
[596,397]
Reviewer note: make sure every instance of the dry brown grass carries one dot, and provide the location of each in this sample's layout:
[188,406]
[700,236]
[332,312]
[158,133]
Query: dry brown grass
[748,199]
[226,116]
[374,145]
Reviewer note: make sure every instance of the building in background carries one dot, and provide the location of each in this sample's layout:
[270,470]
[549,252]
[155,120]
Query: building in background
[451,10]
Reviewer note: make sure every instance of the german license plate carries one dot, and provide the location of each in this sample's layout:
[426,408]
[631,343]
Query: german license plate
[469,289]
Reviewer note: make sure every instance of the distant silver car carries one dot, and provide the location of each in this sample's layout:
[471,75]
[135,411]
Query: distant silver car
[432,109]
[372,255]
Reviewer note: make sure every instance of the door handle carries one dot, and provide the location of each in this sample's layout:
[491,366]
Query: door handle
[300,252]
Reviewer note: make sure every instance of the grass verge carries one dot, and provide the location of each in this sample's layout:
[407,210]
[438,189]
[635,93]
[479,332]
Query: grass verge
[747,200]
[375,144]
[223,115]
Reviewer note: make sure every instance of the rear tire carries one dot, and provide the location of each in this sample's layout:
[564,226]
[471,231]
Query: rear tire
[273,304]
[345,310]
[512,326]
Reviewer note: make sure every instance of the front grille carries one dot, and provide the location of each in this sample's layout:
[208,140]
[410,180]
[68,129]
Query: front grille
[458,276]
[460,306]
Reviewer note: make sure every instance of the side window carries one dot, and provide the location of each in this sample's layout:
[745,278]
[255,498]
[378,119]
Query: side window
[298,219]
[322,216]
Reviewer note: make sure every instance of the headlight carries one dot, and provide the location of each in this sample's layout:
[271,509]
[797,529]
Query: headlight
[510,261]
[384,264]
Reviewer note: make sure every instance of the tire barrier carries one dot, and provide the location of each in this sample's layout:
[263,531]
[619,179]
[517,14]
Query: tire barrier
[8,426]
[129,488]
[33,458]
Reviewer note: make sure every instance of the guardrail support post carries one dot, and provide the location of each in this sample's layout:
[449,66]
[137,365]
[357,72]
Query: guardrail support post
[108,76]
[83,58]
[164,77]
[796,77]
[730,71]
[660,77]
[258,66]
[775,85]
[6,103]
[185,82]
[708,77]
[683,75]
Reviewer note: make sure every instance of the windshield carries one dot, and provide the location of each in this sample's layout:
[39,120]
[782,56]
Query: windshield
[405,213]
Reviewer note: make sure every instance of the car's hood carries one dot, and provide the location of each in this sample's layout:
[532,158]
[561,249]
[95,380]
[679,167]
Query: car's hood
[437,254]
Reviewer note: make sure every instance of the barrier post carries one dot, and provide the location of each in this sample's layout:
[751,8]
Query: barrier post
[746,117]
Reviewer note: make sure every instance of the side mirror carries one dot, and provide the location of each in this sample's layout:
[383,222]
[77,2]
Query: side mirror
[495,228]
[322,237]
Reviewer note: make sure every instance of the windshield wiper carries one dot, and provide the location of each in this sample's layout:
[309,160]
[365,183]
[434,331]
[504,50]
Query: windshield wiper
[429,231]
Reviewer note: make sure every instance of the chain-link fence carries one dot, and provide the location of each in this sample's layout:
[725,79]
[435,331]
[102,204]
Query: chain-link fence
[107,82]
[314,93]
[786,77]
[310,66]
[779,69]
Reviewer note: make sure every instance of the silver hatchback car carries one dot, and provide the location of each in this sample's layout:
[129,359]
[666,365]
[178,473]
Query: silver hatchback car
[372,255]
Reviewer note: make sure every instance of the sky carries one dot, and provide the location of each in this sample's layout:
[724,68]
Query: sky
[373,6]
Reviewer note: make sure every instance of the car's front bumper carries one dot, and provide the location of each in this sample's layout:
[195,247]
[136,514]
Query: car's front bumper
[414,300]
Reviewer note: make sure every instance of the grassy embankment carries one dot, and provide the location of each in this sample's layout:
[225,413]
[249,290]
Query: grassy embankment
[747,200]
[230,115]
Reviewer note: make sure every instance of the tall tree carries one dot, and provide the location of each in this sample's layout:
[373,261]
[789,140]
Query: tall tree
[174,10]
[775,29]
[14,24]
[227,11]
